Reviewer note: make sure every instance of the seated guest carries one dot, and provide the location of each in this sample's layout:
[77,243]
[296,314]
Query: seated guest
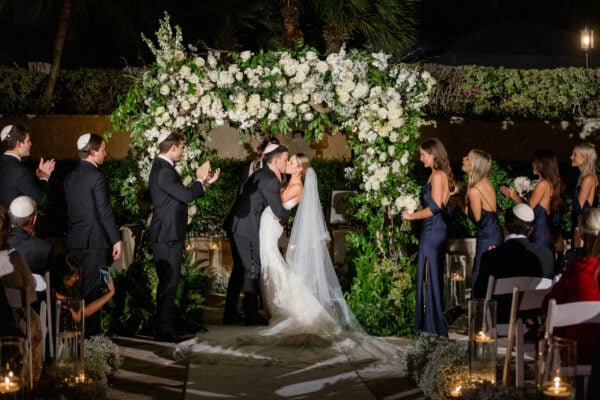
[23,214]
[517,256]
[65,275]
[580,282]
[18,276]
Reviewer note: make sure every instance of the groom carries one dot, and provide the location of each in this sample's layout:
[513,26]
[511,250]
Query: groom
[262,189]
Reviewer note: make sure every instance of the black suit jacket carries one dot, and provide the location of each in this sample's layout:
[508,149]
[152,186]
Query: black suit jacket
[515,257]
[92,224]
[16,180]
[36,251]
[262,189]
[169,200]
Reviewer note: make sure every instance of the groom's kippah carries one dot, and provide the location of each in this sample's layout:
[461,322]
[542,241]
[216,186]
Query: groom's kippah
[83,141]
[523,212]
[271,147]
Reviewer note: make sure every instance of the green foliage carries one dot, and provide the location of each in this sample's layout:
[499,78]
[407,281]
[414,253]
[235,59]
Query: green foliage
[382,295]
[126,197]
[331,177]
[189,302]
[131,310]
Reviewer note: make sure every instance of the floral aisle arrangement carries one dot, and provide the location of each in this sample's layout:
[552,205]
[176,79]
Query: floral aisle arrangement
[377,104]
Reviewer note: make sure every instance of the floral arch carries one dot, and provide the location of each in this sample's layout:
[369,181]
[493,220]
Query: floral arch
[379,106]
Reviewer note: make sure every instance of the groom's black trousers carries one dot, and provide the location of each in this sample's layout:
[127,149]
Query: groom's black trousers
[245,275]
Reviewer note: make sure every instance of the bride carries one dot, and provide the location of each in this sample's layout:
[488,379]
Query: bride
[302,294]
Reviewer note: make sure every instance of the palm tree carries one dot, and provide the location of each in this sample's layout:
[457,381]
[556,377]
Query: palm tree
[291,10]
[387,25]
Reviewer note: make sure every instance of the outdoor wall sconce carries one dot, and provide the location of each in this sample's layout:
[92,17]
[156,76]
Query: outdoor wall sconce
[587,43]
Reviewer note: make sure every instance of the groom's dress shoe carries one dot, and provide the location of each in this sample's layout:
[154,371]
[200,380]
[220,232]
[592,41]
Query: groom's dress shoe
[255,320]
[233,319]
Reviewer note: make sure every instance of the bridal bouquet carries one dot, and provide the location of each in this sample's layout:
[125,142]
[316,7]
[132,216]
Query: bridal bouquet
[406,202]
[523,185]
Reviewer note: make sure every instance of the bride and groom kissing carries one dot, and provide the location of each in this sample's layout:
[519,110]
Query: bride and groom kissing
[301,291]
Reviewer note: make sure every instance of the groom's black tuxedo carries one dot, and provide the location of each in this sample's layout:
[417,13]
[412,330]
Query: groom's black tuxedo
[262,189]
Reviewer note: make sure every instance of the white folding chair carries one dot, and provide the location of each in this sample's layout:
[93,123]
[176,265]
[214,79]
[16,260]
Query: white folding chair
[527,294]
[46,319]
[575,313]
[19,298]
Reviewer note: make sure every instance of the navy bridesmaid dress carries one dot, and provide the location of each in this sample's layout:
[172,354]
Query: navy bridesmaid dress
[429,315]
[488,234]
[576,209]
[541,230]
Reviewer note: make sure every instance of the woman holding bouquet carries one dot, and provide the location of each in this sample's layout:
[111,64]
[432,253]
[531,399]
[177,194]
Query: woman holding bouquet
[545,197]
[586,191]
[481,204]
[429,315]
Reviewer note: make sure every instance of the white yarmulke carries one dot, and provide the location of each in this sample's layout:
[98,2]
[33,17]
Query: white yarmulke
[163,136]
[271,147]
[22,206]
[83,141]
[523,212]
[5,132]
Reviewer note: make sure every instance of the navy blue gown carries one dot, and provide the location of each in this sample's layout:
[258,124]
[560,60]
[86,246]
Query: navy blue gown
[429,314]
[576,209]
[488,234]
[541,230]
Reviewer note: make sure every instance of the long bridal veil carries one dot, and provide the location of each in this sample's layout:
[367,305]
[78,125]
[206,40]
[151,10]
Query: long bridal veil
[308,257]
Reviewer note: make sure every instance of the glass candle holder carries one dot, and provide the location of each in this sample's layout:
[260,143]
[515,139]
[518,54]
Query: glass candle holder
[559,369]
[69,331]
[455,273]
[13,371]
[482,340]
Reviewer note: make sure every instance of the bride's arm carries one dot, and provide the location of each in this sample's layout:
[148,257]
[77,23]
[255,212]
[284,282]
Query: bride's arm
[291,192]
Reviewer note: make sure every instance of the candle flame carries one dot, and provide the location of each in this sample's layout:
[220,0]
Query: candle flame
[6,380]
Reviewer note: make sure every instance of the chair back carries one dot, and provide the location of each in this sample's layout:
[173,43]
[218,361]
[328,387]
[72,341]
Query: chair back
[18,298]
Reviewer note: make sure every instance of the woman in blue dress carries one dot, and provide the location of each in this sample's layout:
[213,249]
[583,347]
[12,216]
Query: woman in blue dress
[586,192]
[544,199]
[481,205]
[429,315]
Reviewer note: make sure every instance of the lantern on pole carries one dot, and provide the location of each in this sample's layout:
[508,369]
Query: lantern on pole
[587,43]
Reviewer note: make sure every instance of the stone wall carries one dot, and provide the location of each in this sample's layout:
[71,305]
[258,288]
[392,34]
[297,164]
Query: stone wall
[54,136]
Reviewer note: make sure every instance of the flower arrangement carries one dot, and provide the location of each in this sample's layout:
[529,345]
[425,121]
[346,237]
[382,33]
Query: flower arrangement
[379,105]
[102,355]
[524,185]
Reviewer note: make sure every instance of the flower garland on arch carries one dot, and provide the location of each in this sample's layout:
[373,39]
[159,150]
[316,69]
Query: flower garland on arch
[378,105]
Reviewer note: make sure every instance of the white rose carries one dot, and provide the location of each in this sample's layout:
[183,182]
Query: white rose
[164,90]
[245,55]
[404,159]
[309,116]
[185,71]
[199,61]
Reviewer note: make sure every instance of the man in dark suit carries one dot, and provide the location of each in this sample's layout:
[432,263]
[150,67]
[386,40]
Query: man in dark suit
[93,236]
[36,251]
[169,221]
[15,179]
[256,164]
[517,256]
[262,189]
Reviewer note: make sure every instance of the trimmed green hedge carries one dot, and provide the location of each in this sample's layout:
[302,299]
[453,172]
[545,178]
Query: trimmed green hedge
[470,91]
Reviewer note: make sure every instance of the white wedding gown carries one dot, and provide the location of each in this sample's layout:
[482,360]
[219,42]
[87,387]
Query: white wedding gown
[292,306]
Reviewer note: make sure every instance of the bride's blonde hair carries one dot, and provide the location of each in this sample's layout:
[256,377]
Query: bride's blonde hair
[304,162]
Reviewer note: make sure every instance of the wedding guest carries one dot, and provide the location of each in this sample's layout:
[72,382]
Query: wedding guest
[15,179]
[16,275]
[580,281]
[517,256]
[435,198]
[169,221]
[586,192]
[65,276]
[544,199]
[481,205]
[23,215]
[93,236]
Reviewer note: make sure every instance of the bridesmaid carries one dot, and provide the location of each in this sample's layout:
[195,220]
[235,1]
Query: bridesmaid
[481,204]
[586,193]
[545,197]
[429,315]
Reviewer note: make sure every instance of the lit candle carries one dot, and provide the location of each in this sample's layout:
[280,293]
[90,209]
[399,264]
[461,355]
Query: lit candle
[457,392]
[457,278]
[9,385]
[483,337]
[557,389]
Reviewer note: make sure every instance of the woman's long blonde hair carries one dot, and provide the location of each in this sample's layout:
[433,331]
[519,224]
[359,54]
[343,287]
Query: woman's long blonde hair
[589,226]
[481,164]
[588,150]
